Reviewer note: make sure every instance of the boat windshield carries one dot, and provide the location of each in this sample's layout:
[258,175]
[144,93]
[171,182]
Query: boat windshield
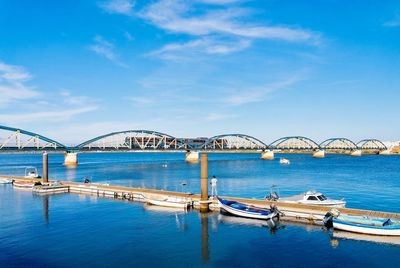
[322,197]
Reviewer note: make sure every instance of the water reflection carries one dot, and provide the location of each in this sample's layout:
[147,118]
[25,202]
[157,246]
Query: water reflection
[45,201]
[342,236]
[205,250]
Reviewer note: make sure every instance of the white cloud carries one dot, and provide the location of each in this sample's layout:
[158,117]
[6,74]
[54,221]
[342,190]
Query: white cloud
[258,94]
[14,91]
[218,2]
[140,100]
[105,49]
[13,85]
[212,117]
[176,16]
[204,45]
[47,116]
[124,7]
[392,23]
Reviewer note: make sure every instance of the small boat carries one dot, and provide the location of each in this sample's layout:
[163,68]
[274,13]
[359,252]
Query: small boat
[308,198]
[247,211]
[168,201]
[31,173]
[362,225]
[284,161]
[25,184]
[5,181]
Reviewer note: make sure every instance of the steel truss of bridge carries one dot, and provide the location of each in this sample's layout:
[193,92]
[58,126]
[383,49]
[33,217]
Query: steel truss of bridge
[18,140]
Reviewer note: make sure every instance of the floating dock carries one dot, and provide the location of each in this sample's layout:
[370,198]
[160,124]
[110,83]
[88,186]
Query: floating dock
[312,214]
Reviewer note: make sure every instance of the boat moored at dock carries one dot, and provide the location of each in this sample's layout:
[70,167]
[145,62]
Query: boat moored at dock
[362,225]
[31,173]
[5,180]
[168,201]
[307,198]
[248,211]
[25,184]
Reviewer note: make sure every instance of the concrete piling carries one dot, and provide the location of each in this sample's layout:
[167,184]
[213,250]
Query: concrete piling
[204,184]
[45,168]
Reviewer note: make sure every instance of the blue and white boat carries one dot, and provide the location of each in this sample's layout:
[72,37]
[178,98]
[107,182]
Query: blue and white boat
[363,225]
[247,211]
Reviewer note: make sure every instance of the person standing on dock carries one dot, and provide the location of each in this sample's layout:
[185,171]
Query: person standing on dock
[214,186]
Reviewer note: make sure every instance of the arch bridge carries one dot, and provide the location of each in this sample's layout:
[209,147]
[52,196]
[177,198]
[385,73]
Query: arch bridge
[18,140]
[133,140]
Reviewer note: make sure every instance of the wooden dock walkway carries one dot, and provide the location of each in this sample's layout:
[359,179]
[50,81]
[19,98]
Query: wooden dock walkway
[293,212]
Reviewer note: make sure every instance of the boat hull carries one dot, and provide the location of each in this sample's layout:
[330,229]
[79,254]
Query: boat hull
[169,202]
[5,181]
[24,184]
[366,229]
[247,214]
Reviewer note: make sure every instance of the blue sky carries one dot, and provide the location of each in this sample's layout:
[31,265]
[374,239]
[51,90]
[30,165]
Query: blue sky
[73,70]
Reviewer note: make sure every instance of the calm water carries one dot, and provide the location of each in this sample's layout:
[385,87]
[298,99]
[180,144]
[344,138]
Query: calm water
[69,230]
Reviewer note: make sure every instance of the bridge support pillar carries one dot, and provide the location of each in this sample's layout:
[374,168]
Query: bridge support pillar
[385,152]
[70,159]
[356,153]
[319,154]
[192,156]
[267,155]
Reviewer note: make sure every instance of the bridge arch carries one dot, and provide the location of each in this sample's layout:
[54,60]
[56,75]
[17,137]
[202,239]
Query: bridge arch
[371,144]
[16,139]
[338,144]
[234,142]
[133,140]
[294,143]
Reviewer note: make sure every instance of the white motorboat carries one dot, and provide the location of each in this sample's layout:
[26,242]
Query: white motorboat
[284,161]
[308,198]
[31,173]
[362,225]
[168,201]
[5,180]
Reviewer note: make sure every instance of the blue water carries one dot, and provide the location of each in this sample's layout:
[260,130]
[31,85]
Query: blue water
[69,230]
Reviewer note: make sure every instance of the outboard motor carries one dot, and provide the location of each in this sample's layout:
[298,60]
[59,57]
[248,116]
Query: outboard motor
[328,220]
[272,196]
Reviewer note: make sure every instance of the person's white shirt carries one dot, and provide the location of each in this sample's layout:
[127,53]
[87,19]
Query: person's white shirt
[214,181]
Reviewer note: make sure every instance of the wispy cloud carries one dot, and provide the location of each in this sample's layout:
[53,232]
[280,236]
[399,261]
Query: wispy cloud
[392,23]
[13,84]
[14,91]
[124,7]
[203,45]
[212,117]
[48,116]
[211,27]
[258,94]
[219,2]
[140,100]
[176,16]
[105,49]
[395,22]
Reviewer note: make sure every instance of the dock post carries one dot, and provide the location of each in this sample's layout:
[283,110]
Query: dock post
[45,167]
[204,183]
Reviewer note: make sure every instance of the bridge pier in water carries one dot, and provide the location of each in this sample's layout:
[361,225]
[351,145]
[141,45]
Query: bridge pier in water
[267,155]
[70,159]
[192,157]
[319,154]
[356,153]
